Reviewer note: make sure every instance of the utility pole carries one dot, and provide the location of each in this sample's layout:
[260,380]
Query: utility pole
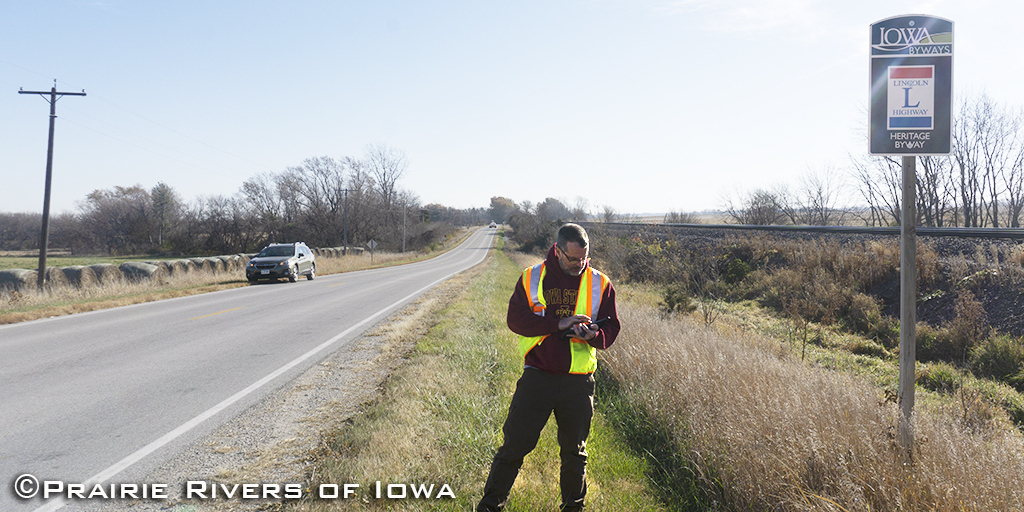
[45,234]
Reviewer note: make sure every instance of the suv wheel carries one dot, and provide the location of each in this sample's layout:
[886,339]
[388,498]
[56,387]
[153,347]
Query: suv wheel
[293,275]
[312,273]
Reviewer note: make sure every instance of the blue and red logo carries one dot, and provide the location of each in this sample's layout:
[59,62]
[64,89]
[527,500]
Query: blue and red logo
[911,99]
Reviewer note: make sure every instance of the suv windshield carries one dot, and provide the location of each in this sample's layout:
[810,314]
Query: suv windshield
[277,251]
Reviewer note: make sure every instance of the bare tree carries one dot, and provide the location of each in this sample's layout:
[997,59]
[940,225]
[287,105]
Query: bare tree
[580,209]
[821,191]
[1004,156]
[792,208]
[880,183]
[608,213]
[261,195]
[936,192]
[320,190]
[760,207]
[386,165]
[1013,179]
[119,219]
[966,153]
[998,133]
[675,217]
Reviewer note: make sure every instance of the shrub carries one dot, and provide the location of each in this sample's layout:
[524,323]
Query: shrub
[864,316]
[676,300]
[999,357]
[735,270]
[940,377]
[865,347]
[970,326]
[934,344]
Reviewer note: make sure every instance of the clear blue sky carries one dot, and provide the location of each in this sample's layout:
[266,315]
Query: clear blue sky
[644,105]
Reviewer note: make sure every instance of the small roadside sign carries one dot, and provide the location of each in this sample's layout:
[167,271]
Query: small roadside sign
[911,86]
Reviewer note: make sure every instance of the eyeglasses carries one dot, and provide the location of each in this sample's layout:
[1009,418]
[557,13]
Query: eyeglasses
[572,260]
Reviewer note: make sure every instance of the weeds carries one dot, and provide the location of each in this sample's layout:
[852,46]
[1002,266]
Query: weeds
[759,432]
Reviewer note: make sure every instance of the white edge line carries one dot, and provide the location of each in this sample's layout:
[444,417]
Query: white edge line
[145,451]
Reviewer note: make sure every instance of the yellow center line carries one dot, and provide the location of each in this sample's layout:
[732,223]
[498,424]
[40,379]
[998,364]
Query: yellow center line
[333,285]
[217,313]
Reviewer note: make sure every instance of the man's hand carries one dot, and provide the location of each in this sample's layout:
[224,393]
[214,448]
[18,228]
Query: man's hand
[568,322]
[579,326]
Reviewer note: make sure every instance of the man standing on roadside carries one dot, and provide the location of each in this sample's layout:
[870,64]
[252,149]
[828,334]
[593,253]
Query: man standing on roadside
[555,310]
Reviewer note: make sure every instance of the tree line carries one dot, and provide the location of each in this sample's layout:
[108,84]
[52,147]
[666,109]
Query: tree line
[322,202]
[979,184]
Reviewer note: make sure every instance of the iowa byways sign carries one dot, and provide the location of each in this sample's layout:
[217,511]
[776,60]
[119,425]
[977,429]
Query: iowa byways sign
[911,85]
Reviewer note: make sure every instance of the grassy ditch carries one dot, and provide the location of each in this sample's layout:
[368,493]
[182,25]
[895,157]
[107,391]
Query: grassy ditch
[756,428]
[439,420]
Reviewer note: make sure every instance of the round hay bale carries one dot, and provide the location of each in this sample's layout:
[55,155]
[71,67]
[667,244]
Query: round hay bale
[243,260]
[80,276]
[187,266]
[202,264]
[230,263]
[216,265]
[55,278]
[138,271]
[175,268]
[164,264]
[17,279]
[107,274]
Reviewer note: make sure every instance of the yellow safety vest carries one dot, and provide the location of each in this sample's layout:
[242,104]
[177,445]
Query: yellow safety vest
[588,302]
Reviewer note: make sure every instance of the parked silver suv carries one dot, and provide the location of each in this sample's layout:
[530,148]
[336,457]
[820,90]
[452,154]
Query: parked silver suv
[277,261]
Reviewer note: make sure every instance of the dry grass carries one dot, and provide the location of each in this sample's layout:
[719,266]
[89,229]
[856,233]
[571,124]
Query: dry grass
[766,432]
[31,304]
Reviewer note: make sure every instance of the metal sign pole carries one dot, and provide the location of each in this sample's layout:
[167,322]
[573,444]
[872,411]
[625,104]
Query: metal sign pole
[911,84]
[908,305]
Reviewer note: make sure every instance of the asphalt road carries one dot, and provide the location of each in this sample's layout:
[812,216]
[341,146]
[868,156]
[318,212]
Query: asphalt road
[105,397]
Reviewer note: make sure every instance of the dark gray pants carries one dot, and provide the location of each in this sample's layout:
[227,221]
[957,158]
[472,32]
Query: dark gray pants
[538,394]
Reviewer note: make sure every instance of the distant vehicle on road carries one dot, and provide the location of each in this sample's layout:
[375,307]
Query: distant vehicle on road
[493,225]
[277,261]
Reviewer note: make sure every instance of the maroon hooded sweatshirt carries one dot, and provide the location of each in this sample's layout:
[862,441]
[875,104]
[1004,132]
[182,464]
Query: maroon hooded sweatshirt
[552,355]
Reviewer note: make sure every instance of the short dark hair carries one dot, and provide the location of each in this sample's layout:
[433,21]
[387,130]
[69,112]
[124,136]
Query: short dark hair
[572,233]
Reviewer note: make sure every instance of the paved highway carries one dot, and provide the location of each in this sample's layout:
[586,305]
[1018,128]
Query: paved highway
[107,396]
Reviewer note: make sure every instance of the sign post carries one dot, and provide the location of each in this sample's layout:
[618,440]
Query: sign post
[911,104]
[371,244]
